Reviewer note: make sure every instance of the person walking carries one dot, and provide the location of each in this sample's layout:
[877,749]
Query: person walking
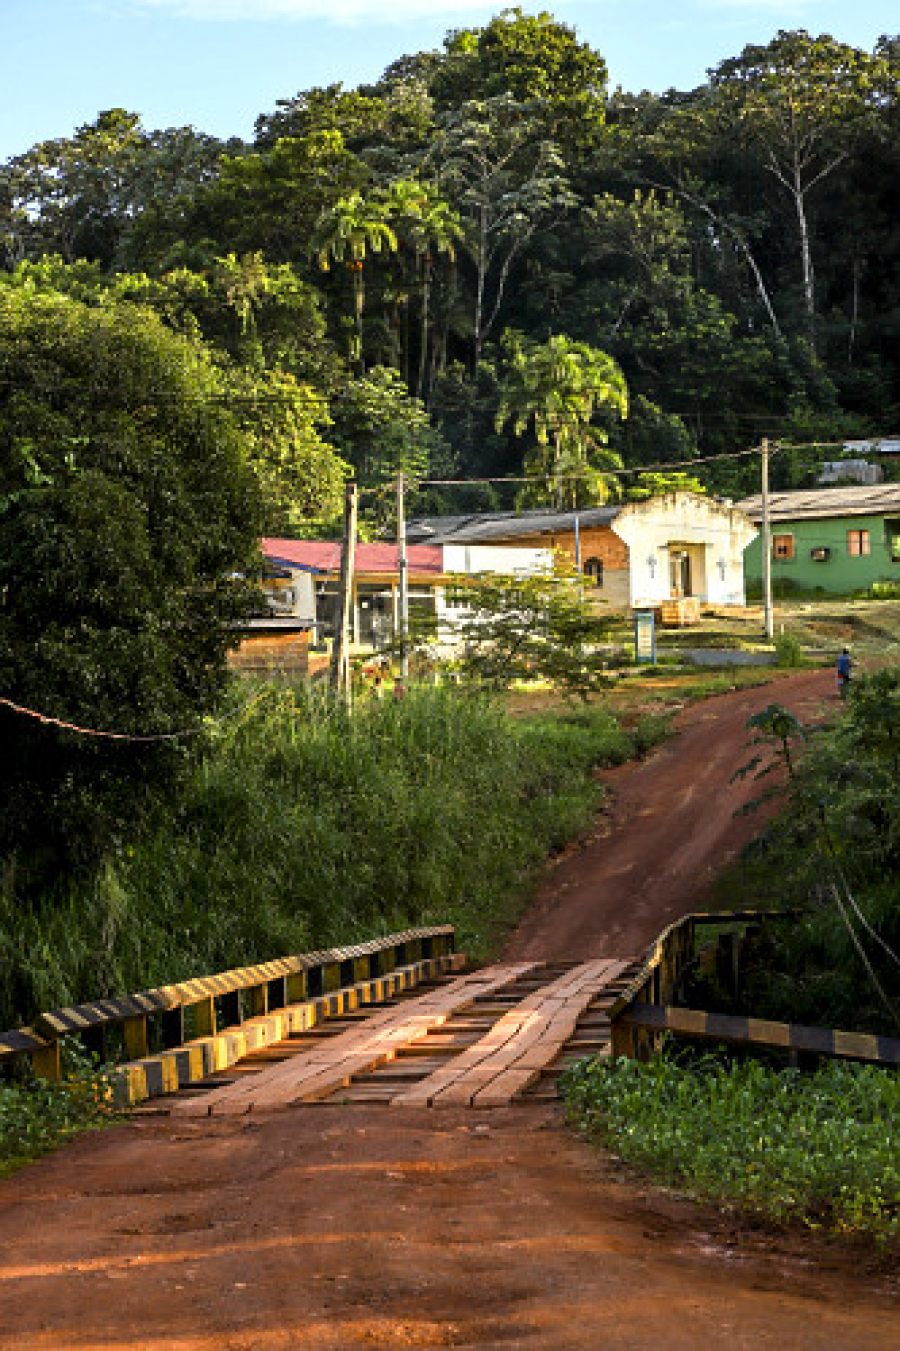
[844,669]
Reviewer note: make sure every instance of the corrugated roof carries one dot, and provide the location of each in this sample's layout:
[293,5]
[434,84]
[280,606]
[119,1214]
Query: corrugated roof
[325,556]
[870,499]
[499,525]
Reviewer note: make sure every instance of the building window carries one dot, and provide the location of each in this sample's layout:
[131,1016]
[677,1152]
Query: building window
[593,571]
[782,547]
[857,543]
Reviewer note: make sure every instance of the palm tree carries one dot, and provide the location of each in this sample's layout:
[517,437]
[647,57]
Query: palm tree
[558,386]
[353,227]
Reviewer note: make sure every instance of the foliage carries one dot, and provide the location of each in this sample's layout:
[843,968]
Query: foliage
[37,1115]
[834,852]
[537,626]
[303,827]
[788,651]
[818,1150]
[126,512]
[383,431]
[559,386]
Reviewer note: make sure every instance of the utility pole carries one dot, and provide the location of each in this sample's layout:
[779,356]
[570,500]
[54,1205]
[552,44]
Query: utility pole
[403,569]
[767,543]
[339,675]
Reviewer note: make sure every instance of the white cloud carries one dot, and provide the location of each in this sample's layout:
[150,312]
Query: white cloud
[339,11]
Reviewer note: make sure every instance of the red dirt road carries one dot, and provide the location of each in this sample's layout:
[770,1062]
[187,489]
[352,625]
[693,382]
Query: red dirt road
[670,828]
[341,1227]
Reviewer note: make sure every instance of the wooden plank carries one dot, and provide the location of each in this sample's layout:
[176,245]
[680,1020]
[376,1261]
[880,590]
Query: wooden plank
[523,1042]
[358,1050]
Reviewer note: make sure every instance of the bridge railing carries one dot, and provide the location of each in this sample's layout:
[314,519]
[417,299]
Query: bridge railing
[167,1017]
[646,1010]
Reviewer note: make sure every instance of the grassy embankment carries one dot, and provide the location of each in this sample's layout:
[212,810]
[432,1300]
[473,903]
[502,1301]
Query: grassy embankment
[303,827]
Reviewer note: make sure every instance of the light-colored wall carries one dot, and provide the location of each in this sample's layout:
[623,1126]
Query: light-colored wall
[471,558]
[715,536]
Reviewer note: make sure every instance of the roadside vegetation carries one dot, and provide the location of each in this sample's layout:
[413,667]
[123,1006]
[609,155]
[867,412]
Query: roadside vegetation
[302,826]
[819,1150]
[37,1115]
[832,858]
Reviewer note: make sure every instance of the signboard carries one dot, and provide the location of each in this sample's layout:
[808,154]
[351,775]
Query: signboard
[644,638]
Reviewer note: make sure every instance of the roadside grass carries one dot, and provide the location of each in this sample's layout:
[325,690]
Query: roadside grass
[820,1151]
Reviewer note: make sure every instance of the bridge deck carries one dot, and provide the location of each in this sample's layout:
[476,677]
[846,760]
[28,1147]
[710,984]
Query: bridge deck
[480,1040]
[518,1048]
[335,1060]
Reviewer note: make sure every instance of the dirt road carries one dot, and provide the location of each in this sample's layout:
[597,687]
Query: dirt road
[670,828]
[338,1227]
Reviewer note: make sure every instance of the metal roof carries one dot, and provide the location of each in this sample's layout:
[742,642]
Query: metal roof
[870,499]
[482,527]
[325,556]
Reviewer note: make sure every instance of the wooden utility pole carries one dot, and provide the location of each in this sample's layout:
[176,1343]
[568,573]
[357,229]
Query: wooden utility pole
[403,569]
[767,543]
[339,675]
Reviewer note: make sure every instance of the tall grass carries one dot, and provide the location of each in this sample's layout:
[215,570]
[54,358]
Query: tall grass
[304,826]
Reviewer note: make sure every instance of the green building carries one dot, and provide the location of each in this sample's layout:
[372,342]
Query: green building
[840,539]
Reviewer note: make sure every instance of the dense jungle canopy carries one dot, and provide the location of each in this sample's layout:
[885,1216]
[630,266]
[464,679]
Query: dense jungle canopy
[392,277]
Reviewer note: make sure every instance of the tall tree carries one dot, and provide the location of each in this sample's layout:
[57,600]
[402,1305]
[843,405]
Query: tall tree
[800,102]
[128,526]
[506,180]
[347,233]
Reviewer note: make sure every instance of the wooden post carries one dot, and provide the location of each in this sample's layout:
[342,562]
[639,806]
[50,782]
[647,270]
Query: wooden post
[205,1018]
[137,1042]
[296,987]
[339,675]
[258,1000]
[767,543]
[45,1062]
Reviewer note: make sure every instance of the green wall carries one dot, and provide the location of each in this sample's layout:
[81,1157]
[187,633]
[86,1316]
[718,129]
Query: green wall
[840,572]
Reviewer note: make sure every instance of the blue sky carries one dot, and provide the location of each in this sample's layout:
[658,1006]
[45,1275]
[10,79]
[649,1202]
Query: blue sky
[216,64]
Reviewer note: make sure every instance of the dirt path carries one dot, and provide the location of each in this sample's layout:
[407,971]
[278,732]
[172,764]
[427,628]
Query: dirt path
[338,1227]
[669,829]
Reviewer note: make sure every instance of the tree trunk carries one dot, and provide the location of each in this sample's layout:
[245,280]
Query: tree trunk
[423,347]
[479,289]
[806,257]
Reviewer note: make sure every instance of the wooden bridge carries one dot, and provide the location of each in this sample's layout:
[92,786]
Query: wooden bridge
[402,1022]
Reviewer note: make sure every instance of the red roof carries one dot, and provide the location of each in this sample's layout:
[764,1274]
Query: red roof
[325,556]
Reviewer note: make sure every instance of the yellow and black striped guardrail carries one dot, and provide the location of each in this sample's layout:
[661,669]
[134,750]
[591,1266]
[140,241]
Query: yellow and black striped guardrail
[670,955]
[167,1072]
[646,1009]
[190,1010]
[747,1031]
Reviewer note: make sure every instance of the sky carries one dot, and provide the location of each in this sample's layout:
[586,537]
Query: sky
[217,64]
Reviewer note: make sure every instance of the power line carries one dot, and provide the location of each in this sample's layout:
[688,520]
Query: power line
[50,721]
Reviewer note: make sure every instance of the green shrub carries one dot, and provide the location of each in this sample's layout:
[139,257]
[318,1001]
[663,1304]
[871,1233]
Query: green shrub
[37,1115]
[820,1150]
[888,590]
[788,652]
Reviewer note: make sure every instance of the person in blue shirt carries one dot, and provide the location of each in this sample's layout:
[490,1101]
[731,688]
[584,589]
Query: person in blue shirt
[844,668]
